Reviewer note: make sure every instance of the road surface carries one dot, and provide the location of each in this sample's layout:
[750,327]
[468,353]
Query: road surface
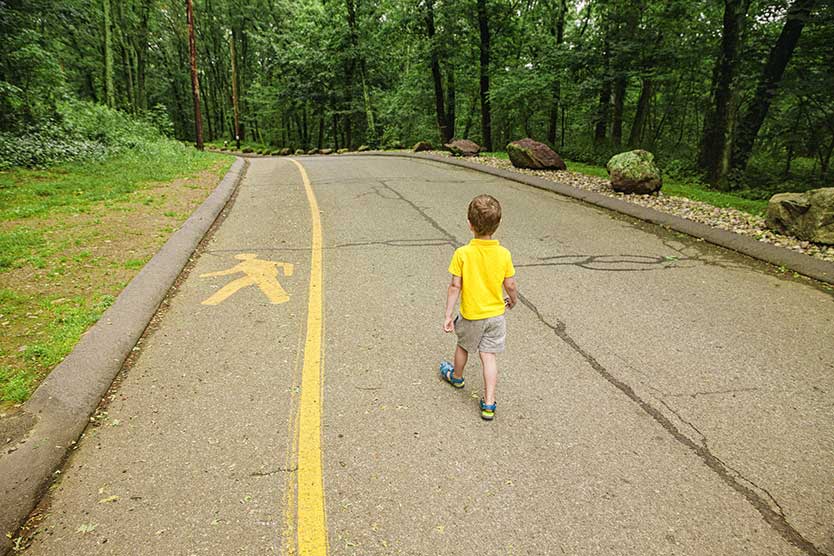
[658,395]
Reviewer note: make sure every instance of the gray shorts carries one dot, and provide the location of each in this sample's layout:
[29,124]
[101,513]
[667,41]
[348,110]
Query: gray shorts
[486,335]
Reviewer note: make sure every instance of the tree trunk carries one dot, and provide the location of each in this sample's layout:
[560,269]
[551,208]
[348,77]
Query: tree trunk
[604,105]
[636,134]
[320,142]
[335,131]
[486,111]
[440,109]
[470,117]
[450,101]
[603,109]
[109,92]
[141,53]
[558,30]
[777,61]
[620,84]
[715,143]
[366,96]
[195,81]
[234,89]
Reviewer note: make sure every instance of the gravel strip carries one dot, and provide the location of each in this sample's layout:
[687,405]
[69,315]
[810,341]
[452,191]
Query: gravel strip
[729,219]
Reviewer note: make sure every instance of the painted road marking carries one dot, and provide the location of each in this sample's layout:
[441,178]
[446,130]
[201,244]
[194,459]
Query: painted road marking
[311,521]
[263,274]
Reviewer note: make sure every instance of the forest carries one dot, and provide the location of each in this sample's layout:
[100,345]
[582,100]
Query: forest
[738,94]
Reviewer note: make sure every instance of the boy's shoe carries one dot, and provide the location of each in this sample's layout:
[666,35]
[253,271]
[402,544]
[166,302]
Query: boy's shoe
[487,411]
[447,373]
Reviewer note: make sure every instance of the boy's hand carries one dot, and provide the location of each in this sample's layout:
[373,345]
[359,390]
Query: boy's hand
[449,325]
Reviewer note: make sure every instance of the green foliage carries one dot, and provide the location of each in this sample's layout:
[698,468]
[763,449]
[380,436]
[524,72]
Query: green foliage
[305,69]
[81,131]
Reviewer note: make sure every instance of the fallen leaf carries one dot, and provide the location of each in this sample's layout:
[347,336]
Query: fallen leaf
[85,528]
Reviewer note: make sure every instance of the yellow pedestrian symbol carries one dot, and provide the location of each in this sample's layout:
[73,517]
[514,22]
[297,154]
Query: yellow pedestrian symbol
[264,274]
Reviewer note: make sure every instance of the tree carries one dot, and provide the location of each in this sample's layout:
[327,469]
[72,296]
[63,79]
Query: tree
[109,92]
[716,141]
[768,84]
[446,131]
[486,112]
[195,81]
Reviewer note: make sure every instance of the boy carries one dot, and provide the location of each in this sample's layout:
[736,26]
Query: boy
[479,270]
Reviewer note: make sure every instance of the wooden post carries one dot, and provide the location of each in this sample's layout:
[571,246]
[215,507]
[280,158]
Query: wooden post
[195,81]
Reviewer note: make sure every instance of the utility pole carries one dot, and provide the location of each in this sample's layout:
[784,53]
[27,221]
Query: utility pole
[195,82]
[234,90]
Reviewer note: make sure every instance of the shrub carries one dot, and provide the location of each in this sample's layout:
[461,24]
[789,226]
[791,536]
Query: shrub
[246,150]
[81,131]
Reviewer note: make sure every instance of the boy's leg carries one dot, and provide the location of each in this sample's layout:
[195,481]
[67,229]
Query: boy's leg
[461,357]
[490,365]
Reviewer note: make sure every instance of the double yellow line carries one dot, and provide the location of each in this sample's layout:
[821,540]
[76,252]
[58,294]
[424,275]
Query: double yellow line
[311,521]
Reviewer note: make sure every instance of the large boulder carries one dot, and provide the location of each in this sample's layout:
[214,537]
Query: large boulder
[422,146]
[285,151]
[527,153]
[463,147]
[363,148]
[325,151]
[808,216]
[634,172]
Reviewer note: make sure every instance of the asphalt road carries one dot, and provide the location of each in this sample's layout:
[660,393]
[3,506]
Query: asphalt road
[658,395]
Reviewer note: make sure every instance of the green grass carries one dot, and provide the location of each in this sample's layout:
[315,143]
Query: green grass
[677,188]
[66,322]
[39,211]
[74,187]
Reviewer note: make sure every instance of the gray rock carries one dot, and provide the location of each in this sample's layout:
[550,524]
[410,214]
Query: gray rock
[463,147]
[634,172]
[808,216]
[422,146]
[527,153]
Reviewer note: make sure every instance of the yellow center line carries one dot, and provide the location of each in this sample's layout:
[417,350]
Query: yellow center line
[311,519]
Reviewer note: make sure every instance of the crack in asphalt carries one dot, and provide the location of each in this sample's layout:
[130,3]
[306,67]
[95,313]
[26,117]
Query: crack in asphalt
[776,520]
[586,261]
[682,420]
[273,472]
[694,395]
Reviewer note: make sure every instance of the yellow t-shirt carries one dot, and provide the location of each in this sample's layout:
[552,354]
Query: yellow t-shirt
[482,265]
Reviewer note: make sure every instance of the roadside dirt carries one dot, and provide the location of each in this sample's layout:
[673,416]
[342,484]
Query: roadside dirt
[93,254]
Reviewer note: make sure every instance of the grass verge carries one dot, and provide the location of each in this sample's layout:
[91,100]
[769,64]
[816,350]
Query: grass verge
[677,188]
[71,238]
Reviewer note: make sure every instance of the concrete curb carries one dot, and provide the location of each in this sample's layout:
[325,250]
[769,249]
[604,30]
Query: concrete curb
[778,256]
[61,406]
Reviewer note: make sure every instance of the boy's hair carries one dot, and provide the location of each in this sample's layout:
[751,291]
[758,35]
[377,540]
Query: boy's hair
[484,214]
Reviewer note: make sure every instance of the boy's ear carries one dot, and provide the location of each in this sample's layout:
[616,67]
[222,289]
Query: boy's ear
[471,228]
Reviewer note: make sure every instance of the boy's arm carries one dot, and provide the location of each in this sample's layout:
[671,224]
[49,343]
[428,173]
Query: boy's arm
[512,290]
[451,298]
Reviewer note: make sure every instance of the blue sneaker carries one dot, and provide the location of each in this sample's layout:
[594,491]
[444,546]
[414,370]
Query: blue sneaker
[446,372]
[487,411]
